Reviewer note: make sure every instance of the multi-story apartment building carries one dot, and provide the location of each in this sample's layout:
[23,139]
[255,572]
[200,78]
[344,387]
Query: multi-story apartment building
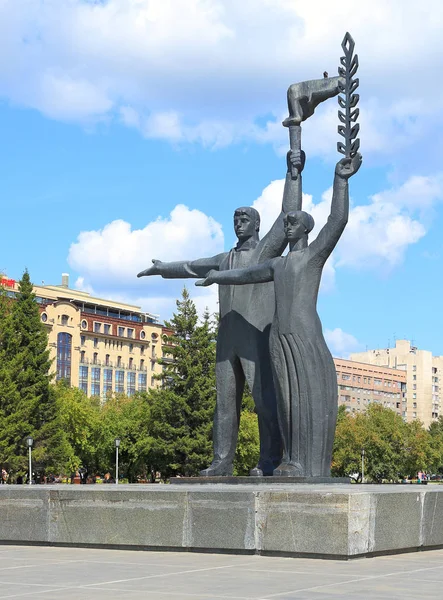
[100,346]
[359,384]
[424,373]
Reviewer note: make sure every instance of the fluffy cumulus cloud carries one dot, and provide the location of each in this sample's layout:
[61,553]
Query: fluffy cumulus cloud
[378,232]
[109,259]
[340,343]
[215,71]
[377,236]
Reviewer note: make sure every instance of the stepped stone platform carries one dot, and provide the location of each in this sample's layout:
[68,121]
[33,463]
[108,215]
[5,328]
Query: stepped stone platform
[317,520]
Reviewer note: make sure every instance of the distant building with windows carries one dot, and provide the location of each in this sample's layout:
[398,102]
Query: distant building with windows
[424,373]
[100,346]
[360,384]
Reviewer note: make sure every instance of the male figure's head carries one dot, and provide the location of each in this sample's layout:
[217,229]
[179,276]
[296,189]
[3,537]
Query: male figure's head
[246,223]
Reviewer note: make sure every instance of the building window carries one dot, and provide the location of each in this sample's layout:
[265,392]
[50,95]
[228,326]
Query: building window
[84,324]
[64,347]
[131,384]
[82,356]
[107,381]
[131,363]
[95,358]
[82,340]
[154,354]
[142,382]
[83,379]
[44,317]
[121,331]
[97,327]
[414,367]
[142,335]
[95,381]
[120,382]
[107,329]
[107,360]
[377,381]
[130,333]
[65,320]
[95,342]
[142,349]
[414,378]
[142,365]
[119,361]
[131,347]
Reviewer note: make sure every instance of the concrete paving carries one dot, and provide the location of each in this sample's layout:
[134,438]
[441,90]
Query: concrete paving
[83,573]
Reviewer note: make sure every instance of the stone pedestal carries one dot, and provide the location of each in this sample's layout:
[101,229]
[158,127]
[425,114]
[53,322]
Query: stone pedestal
[323,520]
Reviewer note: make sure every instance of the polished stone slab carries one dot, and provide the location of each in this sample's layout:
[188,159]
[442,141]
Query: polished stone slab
[313,520]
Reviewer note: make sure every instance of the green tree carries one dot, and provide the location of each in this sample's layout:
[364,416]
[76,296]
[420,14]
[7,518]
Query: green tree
[436,442]
[248,444]
[181,411]
[27,402]
[25,373]
[419,454]
[78,417]
[393,448]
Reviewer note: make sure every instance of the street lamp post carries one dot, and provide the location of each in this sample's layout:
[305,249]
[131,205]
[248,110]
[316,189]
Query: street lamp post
[117,445]
[362,465]
[29,442]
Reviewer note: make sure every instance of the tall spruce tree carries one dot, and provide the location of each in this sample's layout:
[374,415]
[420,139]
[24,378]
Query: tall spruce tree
[28,404]
[182,410]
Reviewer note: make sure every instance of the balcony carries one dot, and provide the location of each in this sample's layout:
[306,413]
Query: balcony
[112,365]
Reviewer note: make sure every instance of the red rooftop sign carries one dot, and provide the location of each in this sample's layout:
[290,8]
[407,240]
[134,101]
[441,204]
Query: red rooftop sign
[7,282]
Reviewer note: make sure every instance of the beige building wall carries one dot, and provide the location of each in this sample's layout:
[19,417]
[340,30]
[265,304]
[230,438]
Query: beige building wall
[99,345]
[360,384]
[423,372]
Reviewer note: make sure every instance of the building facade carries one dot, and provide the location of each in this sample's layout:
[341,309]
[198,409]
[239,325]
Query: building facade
[360,384]
[423,375]
[100,346]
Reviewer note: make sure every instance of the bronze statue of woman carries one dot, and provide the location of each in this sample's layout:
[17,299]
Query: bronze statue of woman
[303,368]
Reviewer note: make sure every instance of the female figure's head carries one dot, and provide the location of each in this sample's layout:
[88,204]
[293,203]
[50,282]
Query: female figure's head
[297,225]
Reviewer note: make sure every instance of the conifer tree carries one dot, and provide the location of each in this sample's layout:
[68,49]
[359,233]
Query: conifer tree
[182,410]
[27,403]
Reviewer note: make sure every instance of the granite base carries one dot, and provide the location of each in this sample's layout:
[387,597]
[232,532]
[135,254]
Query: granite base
[256,481]
[321,520]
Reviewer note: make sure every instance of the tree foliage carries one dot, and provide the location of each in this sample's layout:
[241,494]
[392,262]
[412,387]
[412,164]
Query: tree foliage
[27,402]
[393,449]
[182,409]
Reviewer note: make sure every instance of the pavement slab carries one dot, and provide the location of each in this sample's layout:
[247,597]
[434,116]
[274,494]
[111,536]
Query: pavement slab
[93,574]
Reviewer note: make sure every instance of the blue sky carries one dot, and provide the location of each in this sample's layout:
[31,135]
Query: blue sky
[132,129]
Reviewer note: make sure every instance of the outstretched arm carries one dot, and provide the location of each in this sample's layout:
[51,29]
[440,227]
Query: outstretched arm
[183,269]
[260,273]
[329,235]
[274,242]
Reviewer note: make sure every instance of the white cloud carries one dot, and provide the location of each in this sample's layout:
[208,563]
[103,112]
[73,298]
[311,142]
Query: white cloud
[377,236]
[109,259]
[204,71]
[340,343]
[378,233]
